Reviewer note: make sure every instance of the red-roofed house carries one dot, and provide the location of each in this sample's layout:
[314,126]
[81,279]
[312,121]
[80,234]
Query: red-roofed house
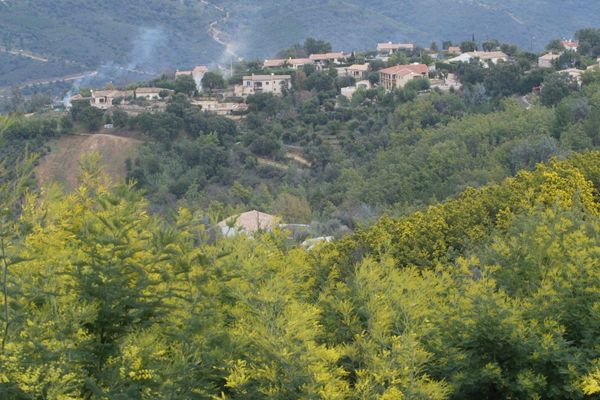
[293,63]
[398,76]
[570,45]
[296,63]
[274,63]
[357,71]
[323,60]
[254,84]
[103,99]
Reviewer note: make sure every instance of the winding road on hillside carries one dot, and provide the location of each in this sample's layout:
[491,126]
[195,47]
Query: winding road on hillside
[216,32]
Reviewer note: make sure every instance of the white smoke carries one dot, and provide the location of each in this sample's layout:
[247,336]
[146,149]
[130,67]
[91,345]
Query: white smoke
[76,87]
[143,61]
[148,44]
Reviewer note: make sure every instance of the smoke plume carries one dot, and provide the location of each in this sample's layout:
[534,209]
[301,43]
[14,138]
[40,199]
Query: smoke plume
[145,60]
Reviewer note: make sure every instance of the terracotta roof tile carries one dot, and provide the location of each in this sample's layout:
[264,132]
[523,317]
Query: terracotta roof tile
[406,69]
[395,46]
[327,56]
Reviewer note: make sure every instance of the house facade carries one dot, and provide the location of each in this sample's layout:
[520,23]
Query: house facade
[357,71]
[570,45]
[293,63]
[104,99]
[398,76]
[276,63]
[389,47]
[327,59]
[254,84]
[150,93]
[297,63]
[546,60]
[349,91]
[483,56]
[446,84]
[218,108]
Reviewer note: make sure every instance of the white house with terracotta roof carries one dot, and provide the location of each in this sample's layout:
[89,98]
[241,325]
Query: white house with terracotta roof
[398,76]
[296,63]
[275,63]
[570,45]
[483,56]
[357,71]
[390,48]
[103,99]
[254,84]
[248,223]
[326,59]
[546,61]
[150,93]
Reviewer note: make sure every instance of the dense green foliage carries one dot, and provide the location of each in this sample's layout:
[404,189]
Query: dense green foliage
[481,281]
[349,161]
[22,137]
[492,295]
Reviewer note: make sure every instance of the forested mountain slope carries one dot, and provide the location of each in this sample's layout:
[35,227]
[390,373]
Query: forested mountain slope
[159,33]
[351,24]
[147,35]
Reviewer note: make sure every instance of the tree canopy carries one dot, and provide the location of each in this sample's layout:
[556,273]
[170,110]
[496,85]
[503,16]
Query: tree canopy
[490,295]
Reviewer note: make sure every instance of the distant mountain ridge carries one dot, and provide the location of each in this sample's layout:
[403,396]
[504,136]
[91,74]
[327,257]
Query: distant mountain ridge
[155,34]
[351,24]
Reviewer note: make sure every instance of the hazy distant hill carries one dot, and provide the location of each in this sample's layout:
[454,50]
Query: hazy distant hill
[144,34]
[154,34]
[361,23]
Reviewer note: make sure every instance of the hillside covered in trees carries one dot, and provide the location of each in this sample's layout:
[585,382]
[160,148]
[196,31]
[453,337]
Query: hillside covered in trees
[459,257]
[381,152]
[315,157]
[491,295]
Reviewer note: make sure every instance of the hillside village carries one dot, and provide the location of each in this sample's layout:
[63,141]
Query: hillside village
[273,130]
[359,79]
[386,67]
[349,218]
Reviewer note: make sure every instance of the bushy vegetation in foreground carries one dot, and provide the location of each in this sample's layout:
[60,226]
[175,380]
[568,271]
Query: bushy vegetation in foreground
[492,295]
